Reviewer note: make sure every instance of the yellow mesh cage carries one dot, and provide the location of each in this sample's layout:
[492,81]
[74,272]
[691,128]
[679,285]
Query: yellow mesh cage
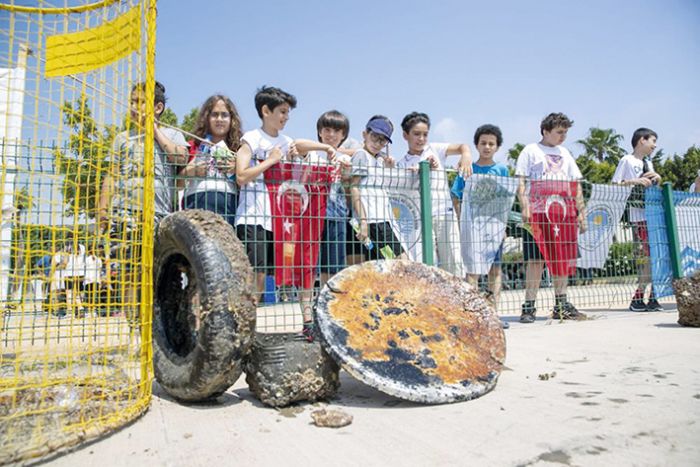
[77,220]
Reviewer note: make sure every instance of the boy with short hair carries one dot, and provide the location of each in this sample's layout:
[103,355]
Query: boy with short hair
[416,126]
[121,195]
[487,139]
[637,169]
[369,200]
[261,149]
[551,168]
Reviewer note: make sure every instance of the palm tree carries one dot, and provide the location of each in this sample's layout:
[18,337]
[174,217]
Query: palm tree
[603,144]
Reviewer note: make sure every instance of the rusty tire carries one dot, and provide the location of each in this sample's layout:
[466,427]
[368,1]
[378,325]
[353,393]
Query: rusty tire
[203,305]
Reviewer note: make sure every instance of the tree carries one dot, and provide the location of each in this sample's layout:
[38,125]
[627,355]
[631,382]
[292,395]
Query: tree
[189,121]
[603,144]
[168,117]
[513,153]
[81,162]
[681,171]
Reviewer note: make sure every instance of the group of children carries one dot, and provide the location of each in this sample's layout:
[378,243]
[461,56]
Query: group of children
[222,169]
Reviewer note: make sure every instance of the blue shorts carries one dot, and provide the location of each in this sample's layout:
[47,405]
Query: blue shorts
[333,246]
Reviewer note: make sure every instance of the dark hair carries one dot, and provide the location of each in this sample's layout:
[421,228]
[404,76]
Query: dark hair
[158,93]
[333,119]
[380,117]
[554,120]
[414,118]
[233,137]
[642,133]
[272,98]
[488,129]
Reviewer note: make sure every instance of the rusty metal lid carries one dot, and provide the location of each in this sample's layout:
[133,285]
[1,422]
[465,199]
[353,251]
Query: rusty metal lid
[412,331]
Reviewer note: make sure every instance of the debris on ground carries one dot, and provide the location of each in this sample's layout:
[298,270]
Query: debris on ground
[331,418]
[546,376]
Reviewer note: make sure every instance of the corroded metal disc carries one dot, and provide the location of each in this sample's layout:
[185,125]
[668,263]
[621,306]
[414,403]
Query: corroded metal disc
[411,331]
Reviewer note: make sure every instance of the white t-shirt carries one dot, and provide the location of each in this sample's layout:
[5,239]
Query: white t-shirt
[692,188]
[540,162]
[214,181]
[254,199]
[375,200]
[628,168]
[439,189]
[93,270]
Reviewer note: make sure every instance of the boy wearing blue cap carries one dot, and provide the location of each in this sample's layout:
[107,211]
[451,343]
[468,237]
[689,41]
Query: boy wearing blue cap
[370,202]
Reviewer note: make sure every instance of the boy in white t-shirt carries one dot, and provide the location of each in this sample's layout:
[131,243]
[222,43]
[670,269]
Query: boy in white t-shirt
[261,149]
[416,127]
[695,186]
[637,169]
[549,160]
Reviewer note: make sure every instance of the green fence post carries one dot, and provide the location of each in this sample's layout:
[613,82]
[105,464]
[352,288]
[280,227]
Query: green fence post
[672,230]
[426,213]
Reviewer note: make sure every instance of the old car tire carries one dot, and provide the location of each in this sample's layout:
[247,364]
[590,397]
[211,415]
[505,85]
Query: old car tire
[203,305]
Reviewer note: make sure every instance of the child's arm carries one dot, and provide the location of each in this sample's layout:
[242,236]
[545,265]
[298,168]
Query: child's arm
[581,208]
[357,206]
[524,202]
[305,146]
[175,153]
[465,161]
[245,173]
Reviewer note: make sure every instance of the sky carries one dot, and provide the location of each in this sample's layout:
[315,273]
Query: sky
[621,64]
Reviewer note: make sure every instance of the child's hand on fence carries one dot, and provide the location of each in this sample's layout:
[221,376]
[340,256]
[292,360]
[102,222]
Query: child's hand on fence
[275,154]
[644,181]
[433,162]
[389,162]
[364,232]
[292,152]
[653,177]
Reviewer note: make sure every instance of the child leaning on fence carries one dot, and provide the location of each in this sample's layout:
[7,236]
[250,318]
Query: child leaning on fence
[121,198]
[636,169]
[370,201]
[487,139]
[261,149]
[416,127]
[210,172]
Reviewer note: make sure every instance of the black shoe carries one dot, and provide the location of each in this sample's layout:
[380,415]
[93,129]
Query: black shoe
[527,315]
[654,305]
[568,311]
[638,305]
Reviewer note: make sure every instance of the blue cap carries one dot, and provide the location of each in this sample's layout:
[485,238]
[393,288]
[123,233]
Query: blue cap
[381,126]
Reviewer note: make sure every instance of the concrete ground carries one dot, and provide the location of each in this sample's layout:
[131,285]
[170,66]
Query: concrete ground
[620,389]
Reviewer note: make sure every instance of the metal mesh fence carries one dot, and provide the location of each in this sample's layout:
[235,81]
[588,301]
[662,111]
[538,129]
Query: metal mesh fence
[77,225]
[315,215]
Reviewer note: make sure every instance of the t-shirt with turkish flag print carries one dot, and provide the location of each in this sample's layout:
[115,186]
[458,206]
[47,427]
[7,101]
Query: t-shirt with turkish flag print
[553,185]
[298,196]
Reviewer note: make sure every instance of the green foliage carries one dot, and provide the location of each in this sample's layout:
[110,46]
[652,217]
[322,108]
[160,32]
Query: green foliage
[81,162]
[595,171]
[513,153]
[681,171]
[621,260]
[168,117]
[189,121]
[603,144]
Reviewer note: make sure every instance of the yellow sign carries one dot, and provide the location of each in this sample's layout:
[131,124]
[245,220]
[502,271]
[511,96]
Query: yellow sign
[78,52]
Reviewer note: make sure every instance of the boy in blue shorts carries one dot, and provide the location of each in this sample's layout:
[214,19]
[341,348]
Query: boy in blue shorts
[487,139]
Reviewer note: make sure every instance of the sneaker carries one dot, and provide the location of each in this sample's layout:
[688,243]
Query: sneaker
[568,311]
[654,305]
[505,325]
[638,305]
[527,315]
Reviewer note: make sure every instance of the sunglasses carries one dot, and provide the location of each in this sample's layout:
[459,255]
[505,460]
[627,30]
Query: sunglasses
[378,139]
